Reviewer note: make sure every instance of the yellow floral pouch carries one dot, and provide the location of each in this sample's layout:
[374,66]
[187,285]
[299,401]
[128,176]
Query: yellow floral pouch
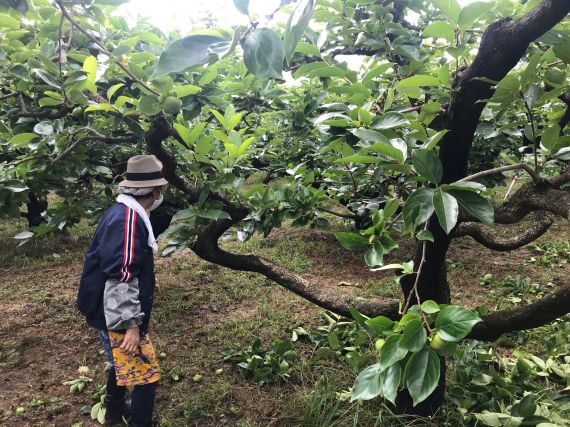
[141,368]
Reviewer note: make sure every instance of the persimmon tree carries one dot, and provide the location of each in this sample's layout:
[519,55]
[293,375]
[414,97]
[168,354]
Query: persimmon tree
[443,100]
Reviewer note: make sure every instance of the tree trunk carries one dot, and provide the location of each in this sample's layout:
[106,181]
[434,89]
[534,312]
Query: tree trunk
[36,207]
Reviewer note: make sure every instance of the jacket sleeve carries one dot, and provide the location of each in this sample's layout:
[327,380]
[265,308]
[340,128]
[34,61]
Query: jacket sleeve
[121,251]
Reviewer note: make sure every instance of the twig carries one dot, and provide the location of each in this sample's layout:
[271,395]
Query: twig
[414,290]
[9,95]
[61,21]
[535,177]
[534,140]
[103,48]
[510,188]
[95,137]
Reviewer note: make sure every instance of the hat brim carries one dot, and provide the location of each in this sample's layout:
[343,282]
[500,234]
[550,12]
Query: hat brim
[142,184]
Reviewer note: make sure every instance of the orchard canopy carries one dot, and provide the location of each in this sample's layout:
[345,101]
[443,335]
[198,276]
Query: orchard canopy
[394,115]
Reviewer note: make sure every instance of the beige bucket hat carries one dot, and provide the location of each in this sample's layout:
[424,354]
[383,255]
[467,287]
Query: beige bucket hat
[143,171]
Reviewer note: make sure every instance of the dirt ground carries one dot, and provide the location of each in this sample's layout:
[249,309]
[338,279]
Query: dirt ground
[201,309]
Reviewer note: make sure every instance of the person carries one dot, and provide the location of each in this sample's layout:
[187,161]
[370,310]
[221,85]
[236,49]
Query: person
[116,292]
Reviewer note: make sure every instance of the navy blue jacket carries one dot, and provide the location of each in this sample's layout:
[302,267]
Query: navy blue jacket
[119,250]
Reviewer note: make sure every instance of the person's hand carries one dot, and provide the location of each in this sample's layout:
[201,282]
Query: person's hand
[156,286]
[130,343]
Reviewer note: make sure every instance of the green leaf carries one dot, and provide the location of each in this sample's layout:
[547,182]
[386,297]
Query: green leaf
[307,49]
[22,139]
[368,135]
[391,384]
[186,90]
[391,352]
[430,306]
[389,121]
[150,105]
[376,71]
[471,13]
[449,8]
[183,132]
[263,53]
[44,128]
[47,78]
[427,164]
[414,337]
[550,137]
[297,25]
[374,256]
[213,214]
[422,374]
[425,235]
[418,80]
[388,150]
[351,241]
[454,322]
[6,21]
[562,51]
[432,141]
[113,89]
[379,325]
[90,68]
[358,159]
[242,6]
[368,384]
[475,204]
[14,186]
[422,198]
[439,29]
[184,53]
[446,209]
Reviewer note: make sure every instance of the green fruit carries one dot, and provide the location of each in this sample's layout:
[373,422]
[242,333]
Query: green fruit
[40,402]
[555,75]
[20,410]
[379,344]
[219,371]
[234,410]
[171,105]
[443,347]
[197,378]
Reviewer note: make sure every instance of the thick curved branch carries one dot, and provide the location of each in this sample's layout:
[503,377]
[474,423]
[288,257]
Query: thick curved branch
[502,45]
[522,318]
[206,247]
[47,114]
[483,234]
[531,198]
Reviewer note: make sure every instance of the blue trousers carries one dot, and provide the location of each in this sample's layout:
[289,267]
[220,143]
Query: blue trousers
[142,401]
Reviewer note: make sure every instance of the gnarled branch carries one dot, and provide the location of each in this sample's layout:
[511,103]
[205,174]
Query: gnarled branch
[483,234]
[522,318]
[206,247]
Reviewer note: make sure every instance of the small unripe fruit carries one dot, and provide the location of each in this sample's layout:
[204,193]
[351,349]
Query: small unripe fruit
[379,344]
[555,75]
[171,105]
[20,410]
[197,378]
[443,347]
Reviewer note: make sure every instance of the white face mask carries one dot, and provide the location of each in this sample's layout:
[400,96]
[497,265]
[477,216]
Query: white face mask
[156,203]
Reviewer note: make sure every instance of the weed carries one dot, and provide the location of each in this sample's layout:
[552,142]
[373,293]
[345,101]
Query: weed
[264,366]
